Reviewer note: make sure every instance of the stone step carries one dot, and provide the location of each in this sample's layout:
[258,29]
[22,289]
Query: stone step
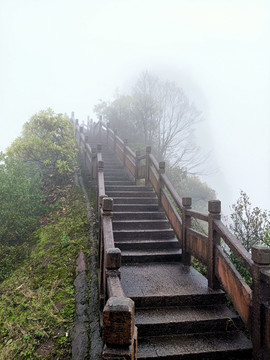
[110,165]
[153,285]
[185,320]
[113,183]
[115,177]
[135,207]
[157,255]
[130,194]
[143,234]
[135,200]
[140,224]
[142,244]
[114,171]
[139,215]
[232,345]
[125,188]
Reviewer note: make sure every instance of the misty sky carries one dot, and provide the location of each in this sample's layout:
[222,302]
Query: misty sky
[68,54]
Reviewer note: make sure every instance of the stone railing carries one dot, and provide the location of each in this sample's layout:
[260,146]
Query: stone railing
[118,331]
[253,305]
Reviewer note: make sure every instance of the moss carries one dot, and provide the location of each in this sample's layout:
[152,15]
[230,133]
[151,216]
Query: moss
[37,300]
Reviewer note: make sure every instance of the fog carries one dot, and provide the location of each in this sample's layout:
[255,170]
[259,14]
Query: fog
[68,54]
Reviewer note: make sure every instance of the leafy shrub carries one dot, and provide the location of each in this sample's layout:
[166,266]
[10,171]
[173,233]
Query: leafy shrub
[21,200]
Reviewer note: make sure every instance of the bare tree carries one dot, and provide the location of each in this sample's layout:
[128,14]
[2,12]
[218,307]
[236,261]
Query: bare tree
[159,113]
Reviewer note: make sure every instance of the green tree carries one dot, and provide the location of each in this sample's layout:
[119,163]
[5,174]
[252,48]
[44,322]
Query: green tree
[21,200]
[48,142]
[250,225]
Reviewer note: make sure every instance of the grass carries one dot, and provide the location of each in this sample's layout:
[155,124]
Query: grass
[37,299]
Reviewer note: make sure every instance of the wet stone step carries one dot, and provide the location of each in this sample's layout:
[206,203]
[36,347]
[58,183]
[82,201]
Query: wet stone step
[116,177]
[135,207]
[140,224]
[135,200]
[115,182]
[167,284]
[219,345]
[157,255]
[185,320]
[144,234]
[142,244]
[140,215]
[130,194]
[120,187]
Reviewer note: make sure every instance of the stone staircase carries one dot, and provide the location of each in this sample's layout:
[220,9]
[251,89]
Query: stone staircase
[177,315]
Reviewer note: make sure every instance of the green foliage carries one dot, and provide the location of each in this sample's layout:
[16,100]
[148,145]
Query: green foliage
[21,200]
[249,225]
[37,300]
[48,141]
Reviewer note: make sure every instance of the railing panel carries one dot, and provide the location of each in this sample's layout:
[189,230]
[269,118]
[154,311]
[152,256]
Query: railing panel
[131,166]
[110,142]
[197,215]
[153,177]
[119,152]
[236,247]
[172,191]
[107,233]
[234,285]
[197,245]
[172,215]
[141,171]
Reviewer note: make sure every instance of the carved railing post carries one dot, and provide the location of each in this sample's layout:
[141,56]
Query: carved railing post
[214,208]
[119,329]
[186,223]
[138,154]
[147,165]
[161,171]
[125,151]
[260,313]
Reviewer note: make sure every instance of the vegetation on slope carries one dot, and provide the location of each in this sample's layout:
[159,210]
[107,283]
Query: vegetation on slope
[37,300]
[43,227]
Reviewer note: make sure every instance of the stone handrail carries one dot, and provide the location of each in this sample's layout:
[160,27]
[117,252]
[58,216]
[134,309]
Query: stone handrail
[119,331]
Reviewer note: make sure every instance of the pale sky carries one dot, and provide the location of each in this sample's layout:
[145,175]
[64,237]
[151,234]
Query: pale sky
[68,54]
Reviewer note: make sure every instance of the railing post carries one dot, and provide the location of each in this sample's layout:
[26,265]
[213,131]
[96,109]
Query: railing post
[138,154]
[214,208]
[161,171]
[260,310]
[114,140]
[125,151]
[186,223]
[147,165]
